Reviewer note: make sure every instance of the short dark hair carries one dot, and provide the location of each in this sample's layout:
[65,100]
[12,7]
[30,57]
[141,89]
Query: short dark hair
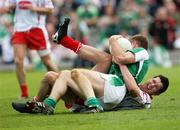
[141,40]
[165,83]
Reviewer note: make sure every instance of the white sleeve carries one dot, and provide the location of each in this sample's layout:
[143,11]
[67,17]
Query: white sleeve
[48,4]
[141,55]
[144,99]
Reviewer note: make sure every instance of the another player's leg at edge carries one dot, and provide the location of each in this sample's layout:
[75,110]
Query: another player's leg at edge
[40,107]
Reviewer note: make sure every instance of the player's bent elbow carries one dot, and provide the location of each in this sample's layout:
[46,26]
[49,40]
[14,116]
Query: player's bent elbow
[120,59]
[106,58]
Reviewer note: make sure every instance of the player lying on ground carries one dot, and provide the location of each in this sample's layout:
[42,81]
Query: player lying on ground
[64,87]
[61,89]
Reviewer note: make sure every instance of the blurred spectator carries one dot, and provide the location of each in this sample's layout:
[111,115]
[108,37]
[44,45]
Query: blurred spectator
[144,18]
[78,29]
[5,39]
[108,23]
[5,35]
[88,13]
[152,6]
[87,16]
[159,55]
[173,11]
[129,17]
[177,41]
[162,29]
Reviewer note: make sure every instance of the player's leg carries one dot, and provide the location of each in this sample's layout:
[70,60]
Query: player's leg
[19,54]
[109,89]
[45,88]
[45,54]
[38,39]
[59,90]
[47,61]
[19,48]
[65,82]
[89,88]
[100,58]
[46,85]
[62,83]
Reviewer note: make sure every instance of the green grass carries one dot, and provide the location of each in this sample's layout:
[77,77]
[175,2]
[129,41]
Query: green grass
[164,114]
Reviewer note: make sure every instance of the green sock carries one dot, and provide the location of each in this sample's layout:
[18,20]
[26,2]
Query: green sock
[92,101]
[50,102]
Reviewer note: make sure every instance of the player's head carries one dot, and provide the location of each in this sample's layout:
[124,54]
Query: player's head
[139,41]
[156,85]
[165,83]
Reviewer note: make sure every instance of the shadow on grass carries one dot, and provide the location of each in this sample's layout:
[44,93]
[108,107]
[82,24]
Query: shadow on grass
[17,114]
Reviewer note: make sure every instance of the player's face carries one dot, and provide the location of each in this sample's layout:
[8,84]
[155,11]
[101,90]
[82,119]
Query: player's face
[152,86]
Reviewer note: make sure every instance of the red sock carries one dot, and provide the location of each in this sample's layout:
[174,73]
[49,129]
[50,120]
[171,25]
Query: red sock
[70,43]
[24,90]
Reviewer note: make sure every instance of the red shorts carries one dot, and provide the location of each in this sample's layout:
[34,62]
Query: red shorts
[35,38]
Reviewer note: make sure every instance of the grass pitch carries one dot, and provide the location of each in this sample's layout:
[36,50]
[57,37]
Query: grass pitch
[164,114]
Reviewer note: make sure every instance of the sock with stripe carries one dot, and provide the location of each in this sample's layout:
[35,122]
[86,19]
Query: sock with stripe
[70,43]
[92,102]
[50,102]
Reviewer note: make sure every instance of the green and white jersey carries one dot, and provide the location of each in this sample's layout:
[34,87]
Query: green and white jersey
[137,69]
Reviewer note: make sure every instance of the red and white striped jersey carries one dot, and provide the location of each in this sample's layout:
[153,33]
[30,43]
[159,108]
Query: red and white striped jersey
[144,99]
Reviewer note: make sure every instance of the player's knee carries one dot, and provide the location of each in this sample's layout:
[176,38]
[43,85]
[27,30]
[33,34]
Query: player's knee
[65,73]
[51,76]
[75,74]
[18,61]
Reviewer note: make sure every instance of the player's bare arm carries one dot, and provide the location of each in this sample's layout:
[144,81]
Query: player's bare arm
[119,56]
[40,10]
[129,81]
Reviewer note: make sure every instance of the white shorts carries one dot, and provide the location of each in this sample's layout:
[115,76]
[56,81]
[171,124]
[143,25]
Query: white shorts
[114,91]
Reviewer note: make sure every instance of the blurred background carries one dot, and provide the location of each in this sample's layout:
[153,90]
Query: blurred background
[94,21]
